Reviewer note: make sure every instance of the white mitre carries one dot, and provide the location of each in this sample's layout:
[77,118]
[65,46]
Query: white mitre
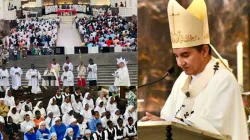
[121,60]
[189,27]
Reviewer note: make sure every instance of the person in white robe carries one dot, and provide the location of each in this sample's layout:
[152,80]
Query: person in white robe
[102,98]
[9,99]
[77,106]
[81,75]
[56,67]
[53,107]
[86,112]
[77,94]
[130,112]
[18,105]
[116,115]
[49,121]
[66,106]
[92,73]
[82,124]
[50,72]
[14,115]
[67,77]
[69,64]
[111,104]
[212,97]
[121,74]
[4,78]
[39,106]
[27,122]
[27,102]
[16,73]
[100,108]
[33,76]
[105,119]
[67,117]
[25,110]
[87,99]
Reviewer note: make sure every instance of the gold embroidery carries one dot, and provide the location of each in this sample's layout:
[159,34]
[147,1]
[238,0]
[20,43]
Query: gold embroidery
[179,38]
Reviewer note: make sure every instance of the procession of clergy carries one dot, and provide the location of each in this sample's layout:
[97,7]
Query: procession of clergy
[71,116]
[121,75]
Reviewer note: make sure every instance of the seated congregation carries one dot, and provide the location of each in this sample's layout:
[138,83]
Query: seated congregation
[69,115]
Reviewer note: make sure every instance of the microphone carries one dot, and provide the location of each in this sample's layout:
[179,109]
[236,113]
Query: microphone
[169,72]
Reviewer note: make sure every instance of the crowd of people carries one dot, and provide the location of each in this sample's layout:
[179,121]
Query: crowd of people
[107,31]
[31,37]
[71,116]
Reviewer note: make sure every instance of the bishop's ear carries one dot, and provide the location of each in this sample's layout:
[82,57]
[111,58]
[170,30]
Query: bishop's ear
[205,50]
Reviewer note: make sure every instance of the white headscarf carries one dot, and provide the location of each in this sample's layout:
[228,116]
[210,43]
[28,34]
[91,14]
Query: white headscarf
[9,101]
[42,123]
[42,110]
[111,107]
[56,119]
[87,114]
[15,117]
[115,117]
[128,114]
[68,131]
[53,134]
[87,131]
[28,127]
[100,109]
[90,101]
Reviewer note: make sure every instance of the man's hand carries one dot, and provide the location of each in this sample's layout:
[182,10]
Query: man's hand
[33,76]
[150,117]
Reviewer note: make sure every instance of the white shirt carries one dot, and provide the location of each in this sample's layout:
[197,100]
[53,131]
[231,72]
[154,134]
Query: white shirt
[70,65]
[92,75]
[106,133]
[55,109]
[25,124]
[82,127]
[132,133]
[66,119]
[69,81]
[65,107]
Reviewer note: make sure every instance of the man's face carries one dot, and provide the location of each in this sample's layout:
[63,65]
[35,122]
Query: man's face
[111,125]
[33,66]
[120,123]
[190,60]
[66,68]
[99,128]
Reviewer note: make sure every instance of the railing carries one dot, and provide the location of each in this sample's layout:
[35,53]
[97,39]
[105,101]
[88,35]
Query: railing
[9,15]
[125,11]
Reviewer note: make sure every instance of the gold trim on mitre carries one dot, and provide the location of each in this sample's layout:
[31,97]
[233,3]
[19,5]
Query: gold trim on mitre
[188,27]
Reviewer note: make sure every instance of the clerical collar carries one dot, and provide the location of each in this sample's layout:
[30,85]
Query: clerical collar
[210,63]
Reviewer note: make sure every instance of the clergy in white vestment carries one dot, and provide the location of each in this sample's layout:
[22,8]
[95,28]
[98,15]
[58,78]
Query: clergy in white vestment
[4,77]
[56,68]
[67,77]
[33,76]
[121,74]
[50,72]
[16,73]
[206,95]
[69,64]
[92,73]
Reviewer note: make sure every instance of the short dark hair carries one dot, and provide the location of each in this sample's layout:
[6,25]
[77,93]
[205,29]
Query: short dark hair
[119,119]
[130,118]
[77,88]
[98,124]
[131,87]
[199,48]
[109,122]
[37,111]
[95,112]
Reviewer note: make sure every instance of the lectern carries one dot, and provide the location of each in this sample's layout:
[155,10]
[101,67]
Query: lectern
[167,130]
[49,79]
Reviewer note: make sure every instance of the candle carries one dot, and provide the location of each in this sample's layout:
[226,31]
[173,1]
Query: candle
[240,63]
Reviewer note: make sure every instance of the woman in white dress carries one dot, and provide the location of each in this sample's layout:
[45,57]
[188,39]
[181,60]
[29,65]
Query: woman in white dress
[130,112]
[102,98]
[25,110]
[100,108]
[52,107]
[15,115]
[87,99]
[39,106]
[111,104]
[9,99]
[86,112]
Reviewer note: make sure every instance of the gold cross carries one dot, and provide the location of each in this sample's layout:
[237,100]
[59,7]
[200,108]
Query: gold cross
[173,14]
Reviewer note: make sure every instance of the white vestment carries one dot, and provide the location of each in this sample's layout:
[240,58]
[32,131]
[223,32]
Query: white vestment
[56,67]
[4,78]
[33,81]
[15,78]
[52,82]
[92,75]
[215,103]
[122,77]
[70,65]
[69,81]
